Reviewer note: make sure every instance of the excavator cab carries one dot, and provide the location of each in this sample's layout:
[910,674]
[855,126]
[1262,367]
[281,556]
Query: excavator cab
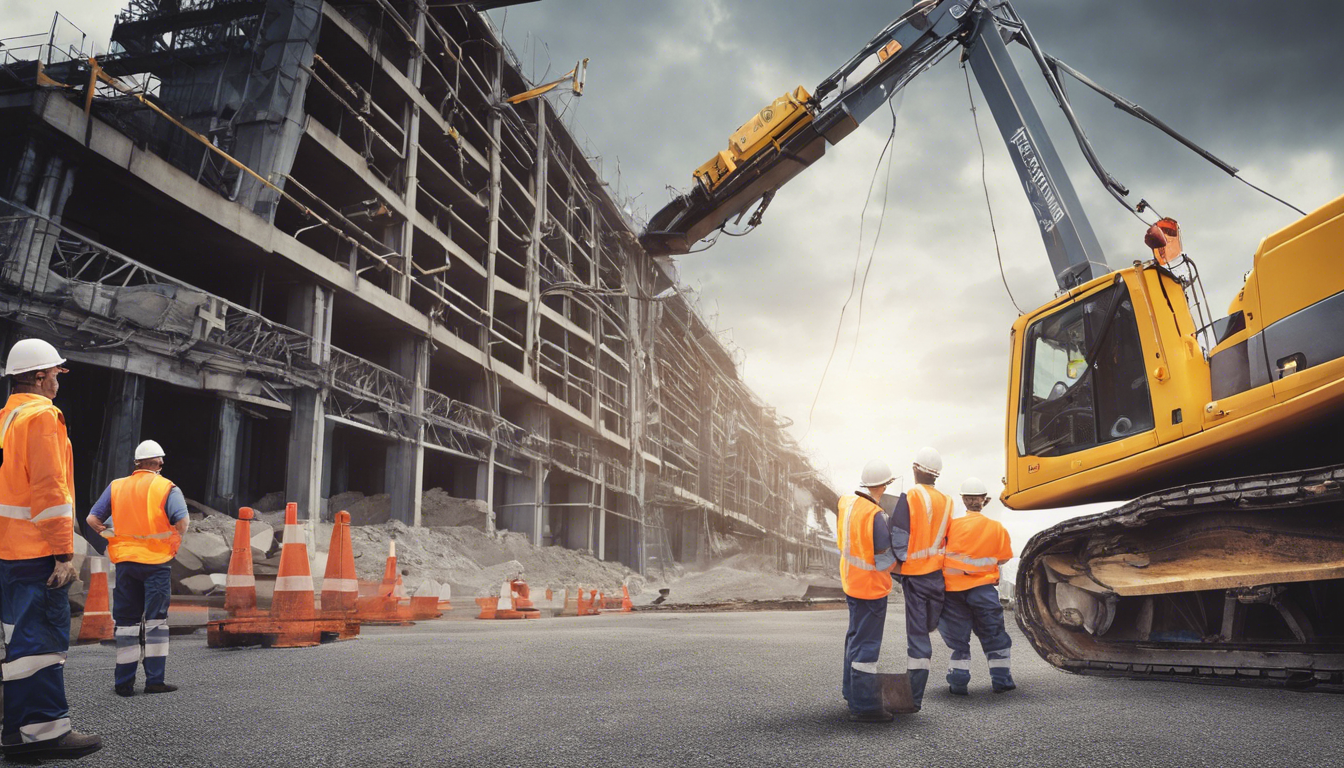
[1101,377]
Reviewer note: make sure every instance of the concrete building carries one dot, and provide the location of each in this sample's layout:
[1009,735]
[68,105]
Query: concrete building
[324,254]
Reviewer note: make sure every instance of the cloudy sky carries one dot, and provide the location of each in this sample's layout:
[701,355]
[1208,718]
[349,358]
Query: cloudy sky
[1252,81]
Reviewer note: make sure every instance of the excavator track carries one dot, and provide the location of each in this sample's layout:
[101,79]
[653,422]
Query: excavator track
[1235,582]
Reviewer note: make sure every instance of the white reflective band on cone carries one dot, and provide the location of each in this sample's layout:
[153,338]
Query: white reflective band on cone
[51,729]
[240,580]
[913,663]
[864,666]
[129,654]
[959,664]
[505,597]
[97,613]
[340,585]
[294,584]
[293,535]
[27,666]
[96,565]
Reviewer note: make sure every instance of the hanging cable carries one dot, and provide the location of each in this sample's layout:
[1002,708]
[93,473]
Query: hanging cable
[886,188]
[985,183]
[853,281]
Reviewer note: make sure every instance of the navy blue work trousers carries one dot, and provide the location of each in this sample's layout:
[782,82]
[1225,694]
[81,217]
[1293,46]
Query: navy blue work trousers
[923,608]
[863,643]
[37,635]
[140,602]
[976,610]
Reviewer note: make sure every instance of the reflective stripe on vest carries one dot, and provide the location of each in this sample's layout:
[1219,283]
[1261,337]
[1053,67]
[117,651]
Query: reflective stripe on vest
[859,574]
[916,562]
[141,531]
[971,564]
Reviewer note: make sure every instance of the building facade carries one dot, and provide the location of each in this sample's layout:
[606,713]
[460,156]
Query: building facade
[311,248]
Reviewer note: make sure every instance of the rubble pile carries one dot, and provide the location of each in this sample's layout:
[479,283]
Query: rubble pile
[741,577]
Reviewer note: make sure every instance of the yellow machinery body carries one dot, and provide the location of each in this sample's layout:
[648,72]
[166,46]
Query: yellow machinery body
[776,122]
[1151,407]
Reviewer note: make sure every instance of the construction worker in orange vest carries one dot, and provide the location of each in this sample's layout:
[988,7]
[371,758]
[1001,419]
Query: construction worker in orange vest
[863,535]
[37,507]
[919,538]
[149,519]
[976,547]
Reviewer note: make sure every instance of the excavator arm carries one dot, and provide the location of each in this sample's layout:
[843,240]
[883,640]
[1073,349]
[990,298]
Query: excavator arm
[792,133]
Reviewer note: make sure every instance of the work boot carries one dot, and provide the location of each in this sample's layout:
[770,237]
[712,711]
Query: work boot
[871,716]
[67,746]
[160,688]
[957,690]
[125,690]
[1004,687]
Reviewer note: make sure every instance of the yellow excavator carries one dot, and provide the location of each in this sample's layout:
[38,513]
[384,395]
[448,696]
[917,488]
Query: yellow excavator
[1228,565]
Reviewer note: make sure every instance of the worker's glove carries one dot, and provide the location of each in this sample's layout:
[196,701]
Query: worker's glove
[62,575]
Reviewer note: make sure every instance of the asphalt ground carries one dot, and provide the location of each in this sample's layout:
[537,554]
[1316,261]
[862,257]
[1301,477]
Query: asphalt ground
[727,689]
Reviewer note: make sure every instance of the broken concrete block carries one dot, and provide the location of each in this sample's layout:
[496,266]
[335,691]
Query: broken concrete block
[263,539]
[188,559]
[210,549]
[203,583]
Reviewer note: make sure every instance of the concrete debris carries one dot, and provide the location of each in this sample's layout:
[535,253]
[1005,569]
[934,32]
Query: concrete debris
[740,577]
[204,583]
[210,549]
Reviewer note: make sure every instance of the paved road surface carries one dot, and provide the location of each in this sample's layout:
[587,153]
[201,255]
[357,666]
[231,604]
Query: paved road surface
[741,689]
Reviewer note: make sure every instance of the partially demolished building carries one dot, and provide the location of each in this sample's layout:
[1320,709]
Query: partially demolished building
[309,247]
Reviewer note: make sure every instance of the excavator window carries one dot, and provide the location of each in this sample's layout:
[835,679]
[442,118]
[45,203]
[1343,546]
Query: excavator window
[1084,378]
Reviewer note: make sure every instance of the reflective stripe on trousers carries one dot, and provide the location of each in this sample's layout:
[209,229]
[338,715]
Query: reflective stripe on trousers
[975,610]
[923,607]
[863,644]
[141,597]
[36,622]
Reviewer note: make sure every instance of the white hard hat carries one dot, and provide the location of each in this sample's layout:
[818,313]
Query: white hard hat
[148,450]
[973,486]
[928,460]
[32,355]
[876,473]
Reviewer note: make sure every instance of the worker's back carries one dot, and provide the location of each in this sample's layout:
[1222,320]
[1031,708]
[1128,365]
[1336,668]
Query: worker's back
[143,533]
[930,515]
[36,479]
[975,546]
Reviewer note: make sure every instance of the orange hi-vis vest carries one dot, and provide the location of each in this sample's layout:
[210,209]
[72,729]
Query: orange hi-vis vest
[143,533]
[930,514]
[859,575]
[976,546]
[37,480]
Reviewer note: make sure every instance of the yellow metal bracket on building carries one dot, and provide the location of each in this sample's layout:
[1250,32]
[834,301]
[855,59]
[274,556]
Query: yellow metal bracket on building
[575,77]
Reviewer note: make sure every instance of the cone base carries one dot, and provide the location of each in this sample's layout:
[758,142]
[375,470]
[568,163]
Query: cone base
[272,633]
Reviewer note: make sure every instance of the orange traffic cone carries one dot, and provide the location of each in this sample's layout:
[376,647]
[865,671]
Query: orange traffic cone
[240,586]
[294,585]
[425,601]
[385,607]
[340,589]
[97,624]
[446,597]
[489,607]
[293,621]
[626,605]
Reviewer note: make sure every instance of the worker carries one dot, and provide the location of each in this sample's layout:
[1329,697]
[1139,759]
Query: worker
[976,547]
[37,502]
[863,535]
[149,519]
[918,539]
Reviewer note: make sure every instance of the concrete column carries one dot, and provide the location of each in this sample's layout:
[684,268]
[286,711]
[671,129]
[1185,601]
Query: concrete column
[406,457]
[534,247]
[641,345]
[121,430]
[50,188]
[222,492]
[481,397]
[310,312]
[602,534]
